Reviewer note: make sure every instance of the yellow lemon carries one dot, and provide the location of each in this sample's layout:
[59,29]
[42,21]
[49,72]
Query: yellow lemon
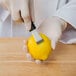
[39,51]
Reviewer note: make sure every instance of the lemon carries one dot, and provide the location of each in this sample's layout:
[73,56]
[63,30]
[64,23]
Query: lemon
[39,51]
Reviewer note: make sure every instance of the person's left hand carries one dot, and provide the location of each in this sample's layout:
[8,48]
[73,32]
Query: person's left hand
[53,28]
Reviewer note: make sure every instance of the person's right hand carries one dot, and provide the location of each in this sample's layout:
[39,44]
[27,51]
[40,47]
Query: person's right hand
[19,10]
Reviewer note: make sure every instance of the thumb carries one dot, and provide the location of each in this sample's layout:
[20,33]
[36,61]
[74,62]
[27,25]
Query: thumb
[55,35]
[53,44]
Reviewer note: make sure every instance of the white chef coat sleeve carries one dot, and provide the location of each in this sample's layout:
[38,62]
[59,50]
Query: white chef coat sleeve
[68,12]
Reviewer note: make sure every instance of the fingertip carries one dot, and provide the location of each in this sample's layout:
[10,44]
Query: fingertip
[53,44]
[25,48]
[25,41]
[29,57]
[38,61]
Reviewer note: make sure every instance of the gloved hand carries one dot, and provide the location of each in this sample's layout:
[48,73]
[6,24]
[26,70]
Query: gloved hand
[19,10]
[53,28]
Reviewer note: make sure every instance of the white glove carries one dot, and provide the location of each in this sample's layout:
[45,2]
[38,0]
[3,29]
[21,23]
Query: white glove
[17,9]
[53,28]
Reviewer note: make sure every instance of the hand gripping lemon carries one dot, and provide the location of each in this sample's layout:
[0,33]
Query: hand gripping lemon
[39,51]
